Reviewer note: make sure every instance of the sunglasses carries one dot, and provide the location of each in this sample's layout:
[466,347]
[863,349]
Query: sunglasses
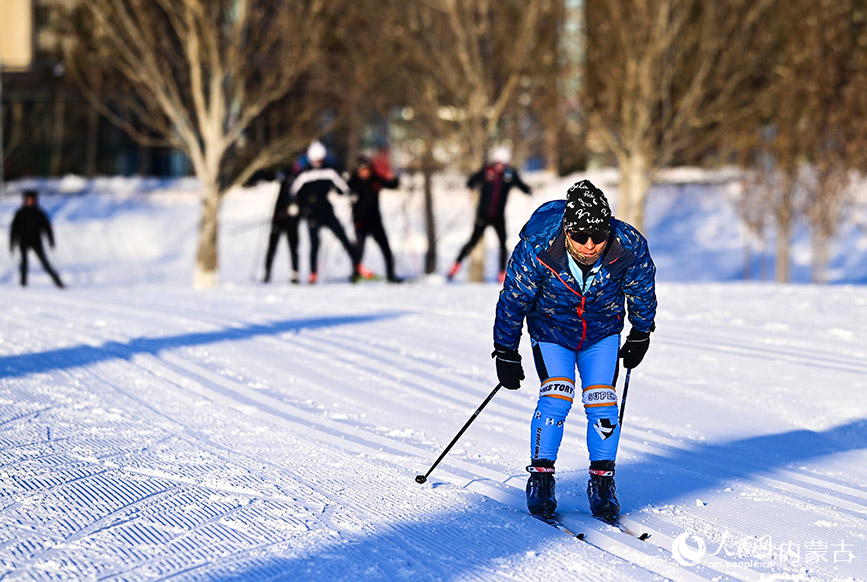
[596,237]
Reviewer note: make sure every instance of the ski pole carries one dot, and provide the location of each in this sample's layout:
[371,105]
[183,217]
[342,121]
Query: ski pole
[423,478]
[623,400]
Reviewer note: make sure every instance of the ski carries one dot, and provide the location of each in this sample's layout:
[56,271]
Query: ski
[554,522]
[615,522]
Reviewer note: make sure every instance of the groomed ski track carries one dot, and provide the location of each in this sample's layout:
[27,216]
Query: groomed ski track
[274,433]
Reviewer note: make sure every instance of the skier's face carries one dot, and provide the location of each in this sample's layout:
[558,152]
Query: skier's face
[364,172]
[588,251]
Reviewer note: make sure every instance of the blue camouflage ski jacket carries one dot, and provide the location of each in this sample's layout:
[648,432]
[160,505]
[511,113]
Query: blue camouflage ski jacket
[540,286]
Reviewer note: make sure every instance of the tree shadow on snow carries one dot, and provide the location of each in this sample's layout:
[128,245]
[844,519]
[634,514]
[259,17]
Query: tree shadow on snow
[20,365]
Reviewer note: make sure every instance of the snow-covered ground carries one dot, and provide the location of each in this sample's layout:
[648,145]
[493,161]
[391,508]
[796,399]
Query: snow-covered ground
[273,432]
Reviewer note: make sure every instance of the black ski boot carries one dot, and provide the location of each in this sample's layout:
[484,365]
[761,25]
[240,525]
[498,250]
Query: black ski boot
[601,491]
[540,488]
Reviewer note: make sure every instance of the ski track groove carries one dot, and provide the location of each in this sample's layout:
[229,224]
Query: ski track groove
[457,549]
[804,357]
[88,497]
[612,543]
[139,539]
[789,490]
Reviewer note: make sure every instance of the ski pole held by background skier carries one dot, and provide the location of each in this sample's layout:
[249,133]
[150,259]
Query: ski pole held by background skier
[576,275]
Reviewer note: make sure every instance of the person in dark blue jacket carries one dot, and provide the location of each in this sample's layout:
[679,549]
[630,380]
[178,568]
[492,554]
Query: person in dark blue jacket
[576,275]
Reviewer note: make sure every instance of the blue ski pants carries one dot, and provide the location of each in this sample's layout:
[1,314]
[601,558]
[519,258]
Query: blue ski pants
[597,368]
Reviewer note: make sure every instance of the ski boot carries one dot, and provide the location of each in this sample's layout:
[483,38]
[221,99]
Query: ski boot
[601,491]
[540,488]
[366,273]
[453,271]
[294,279]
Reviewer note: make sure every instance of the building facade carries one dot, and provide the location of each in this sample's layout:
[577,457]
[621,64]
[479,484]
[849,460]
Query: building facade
[48,127]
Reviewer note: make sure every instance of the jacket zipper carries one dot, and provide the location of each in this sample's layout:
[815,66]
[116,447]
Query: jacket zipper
[579,310]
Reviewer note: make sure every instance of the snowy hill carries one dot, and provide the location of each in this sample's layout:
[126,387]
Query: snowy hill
[272,432]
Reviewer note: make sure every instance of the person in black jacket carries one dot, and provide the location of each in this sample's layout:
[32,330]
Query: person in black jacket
[311,187]
[28,225]
[365,183]
[285,219]
[495,179]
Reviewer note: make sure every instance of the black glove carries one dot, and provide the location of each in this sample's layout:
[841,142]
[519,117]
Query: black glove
[635,347]
[509,369]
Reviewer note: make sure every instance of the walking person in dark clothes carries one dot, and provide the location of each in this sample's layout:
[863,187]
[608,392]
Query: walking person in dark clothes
[285,219]
[28,225]
[311,187]
[495,180]
[365,183]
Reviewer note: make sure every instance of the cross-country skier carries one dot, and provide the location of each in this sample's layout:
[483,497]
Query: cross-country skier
[28,226]
[495,181]
[366,183]
[574,276]
[284,219]
[311,187]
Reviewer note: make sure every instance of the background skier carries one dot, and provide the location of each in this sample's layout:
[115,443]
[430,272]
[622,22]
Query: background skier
[366,183]
[573,275]
[495,180]
[28,226]
[311,187]
[284,220]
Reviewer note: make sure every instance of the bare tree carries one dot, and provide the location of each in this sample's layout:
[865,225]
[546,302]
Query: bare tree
[666,79]
[831,46]
[199,75]
[752,206]
[468,58]
[480,54]
[812,137]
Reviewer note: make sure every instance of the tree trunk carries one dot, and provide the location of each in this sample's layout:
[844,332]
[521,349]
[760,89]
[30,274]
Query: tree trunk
[92,141]
[353,138]
[764,260]
[55,166]
[206,273]
[144,160]
[478,141]
[430,257]
[821,244]
[634,186]
[748,259]
[782,246]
